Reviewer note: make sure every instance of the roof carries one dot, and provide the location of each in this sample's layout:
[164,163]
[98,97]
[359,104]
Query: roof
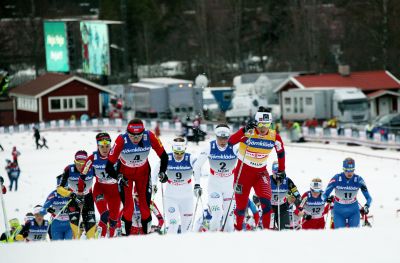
[48,83]
[165,81]
[147,85]
[364,80]
[253,77]
[380,93]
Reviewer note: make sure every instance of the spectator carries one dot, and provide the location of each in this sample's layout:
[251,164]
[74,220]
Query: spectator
[15,154]
[36,135]
[13,174]
[44,143]
[369,131]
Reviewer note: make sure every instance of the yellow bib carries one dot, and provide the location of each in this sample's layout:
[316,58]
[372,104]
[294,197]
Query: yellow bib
[258,149]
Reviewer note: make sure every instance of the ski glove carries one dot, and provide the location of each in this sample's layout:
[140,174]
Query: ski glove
[51,210]
[307,217]
[366,209]
[251,124]
[197,190]
[163,177]
[122,181]
[78,198]
[329,200]
[280,175]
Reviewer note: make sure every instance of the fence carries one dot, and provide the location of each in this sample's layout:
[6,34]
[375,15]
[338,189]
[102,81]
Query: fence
[319,134]
[98,124]
[352,136]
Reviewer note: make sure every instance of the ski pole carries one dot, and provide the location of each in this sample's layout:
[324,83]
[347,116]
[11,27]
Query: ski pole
[4,213]
[327,213]
[279,207]
[58,214]
[80,221]
[237,182]
[163,208]
[194,213]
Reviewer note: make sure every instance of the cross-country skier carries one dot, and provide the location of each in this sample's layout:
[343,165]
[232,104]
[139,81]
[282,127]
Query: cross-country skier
[60,228]
[14,231]
[132,149]
[222,158]
[346,186]
[105,190]
[251,172]
[281,187]
[34,229]
[179,189]
[314,208]
[82,199]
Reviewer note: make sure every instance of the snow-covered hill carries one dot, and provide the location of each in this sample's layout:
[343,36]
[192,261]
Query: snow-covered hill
[40,167]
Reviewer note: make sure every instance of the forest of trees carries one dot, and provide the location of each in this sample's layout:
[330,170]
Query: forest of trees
[220,37]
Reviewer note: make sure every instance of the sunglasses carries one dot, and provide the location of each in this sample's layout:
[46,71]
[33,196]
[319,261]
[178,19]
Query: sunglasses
[79,162]
[104,142]
[179,152]
[348,170]
[263,124]
[136,135]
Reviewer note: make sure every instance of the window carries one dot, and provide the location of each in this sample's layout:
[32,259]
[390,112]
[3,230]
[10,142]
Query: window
[80,103]
[190,109]
[295,105]
[301,105]
[287,101]
[27,104]
[309,101]
[55,104]
[71,103]
[227,96]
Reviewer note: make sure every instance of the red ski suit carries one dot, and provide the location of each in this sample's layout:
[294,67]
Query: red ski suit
[105,193]
[316,208]
[136,168]
[254,150]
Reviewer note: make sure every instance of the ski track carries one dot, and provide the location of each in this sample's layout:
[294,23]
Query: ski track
[39,169]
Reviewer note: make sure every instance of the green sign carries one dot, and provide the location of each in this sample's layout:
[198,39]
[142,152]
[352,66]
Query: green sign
[95,48]
[55,37]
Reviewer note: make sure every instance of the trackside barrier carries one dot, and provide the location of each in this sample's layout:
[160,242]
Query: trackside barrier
[352,136]
[96,124]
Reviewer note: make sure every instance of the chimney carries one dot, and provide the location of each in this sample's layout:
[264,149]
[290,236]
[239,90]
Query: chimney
[344,70]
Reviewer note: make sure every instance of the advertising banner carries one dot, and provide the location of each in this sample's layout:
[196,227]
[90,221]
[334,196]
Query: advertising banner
[95,48]
[56,46]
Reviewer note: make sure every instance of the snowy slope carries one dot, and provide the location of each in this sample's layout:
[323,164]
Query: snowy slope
[39,169]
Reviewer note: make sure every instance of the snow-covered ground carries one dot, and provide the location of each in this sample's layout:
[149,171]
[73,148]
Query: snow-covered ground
[304,161]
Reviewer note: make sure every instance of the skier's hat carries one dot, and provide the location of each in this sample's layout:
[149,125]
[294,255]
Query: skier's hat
[349,164]
[37,209]
[135,127]
[103,138]
[222,131]
[80,156]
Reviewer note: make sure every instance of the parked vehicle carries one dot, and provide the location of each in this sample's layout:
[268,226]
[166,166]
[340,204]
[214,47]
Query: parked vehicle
[348,105]
[390,123]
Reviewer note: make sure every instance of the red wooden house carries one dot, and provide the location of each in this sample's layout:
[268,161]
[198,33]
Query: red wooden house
[57,96]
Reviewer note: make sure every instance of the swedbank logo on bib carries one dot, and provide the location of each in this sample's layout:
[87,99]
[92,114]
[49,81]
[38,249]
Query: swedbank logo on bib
[264,144]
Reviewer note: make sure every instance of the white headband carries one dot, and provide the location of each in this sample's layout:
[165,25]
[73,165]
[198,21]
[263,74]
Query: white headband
[222,132]
[179,146]
[264,117]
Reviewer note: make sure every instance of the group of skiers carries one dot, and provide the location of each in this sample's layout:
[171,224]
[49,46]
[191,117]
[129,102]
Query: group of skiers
[121,174]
